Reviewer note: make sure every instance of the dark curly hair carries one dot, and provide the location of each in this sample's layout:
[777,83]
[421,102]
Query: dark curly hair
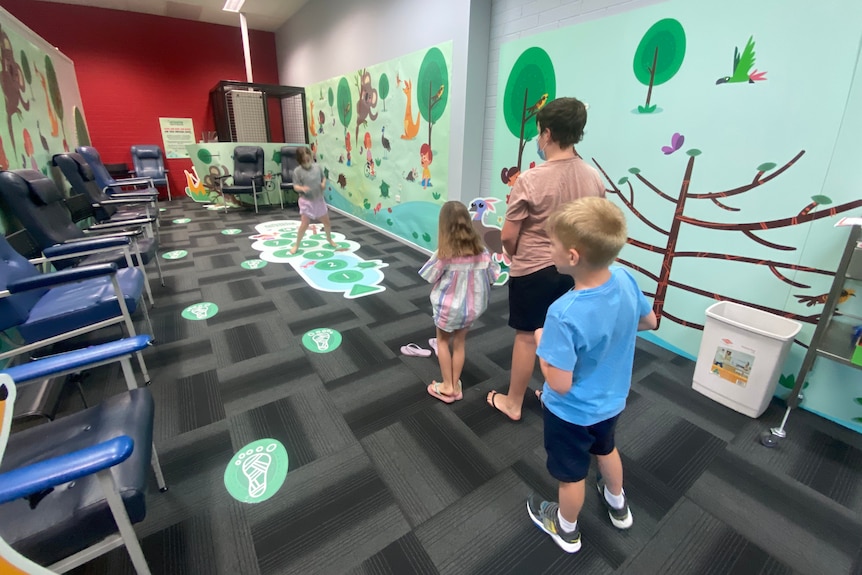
[565,118]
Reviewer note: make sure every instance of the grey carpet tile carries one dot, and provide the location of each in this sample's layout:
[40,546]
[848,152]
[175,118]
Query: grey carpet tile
[197,399]
[224,275]
[335,514]
[238,312]
[405,555]
[429,460]
[247,341]
[325,317]
[816,535]
[208,252]
[306,423]
[693,542]
[269,377]
[171,360]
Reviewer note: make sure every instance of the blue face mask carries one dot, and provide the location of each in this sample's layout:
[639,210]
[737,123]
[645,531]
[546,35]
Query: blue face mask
[540,151]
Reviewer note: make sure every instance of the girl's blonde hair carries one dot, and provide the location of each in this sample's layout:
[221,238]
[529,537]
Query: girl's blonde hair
[456,236]
[301,153]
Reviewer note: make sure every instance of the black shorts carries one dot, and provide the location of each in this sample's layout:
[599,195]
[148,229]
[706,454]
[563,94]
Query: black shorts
[531,295]
[569,446]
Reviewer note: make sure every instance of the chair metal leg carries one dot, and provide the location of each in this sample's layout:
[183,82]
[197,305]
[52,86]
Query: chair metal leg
[254,195]
[129,374]
[143,366]
[159,267]
[168,185]
[157,469]
[141,267]
[124,524]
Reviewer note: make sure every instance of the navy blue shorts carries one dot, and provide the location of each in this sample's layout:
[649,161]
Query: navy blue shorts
[570,446]
[531,295]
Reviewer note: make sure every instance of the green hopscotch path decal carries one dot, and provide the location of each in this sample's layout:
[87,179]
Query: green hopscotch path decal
[257,471]
[323,267]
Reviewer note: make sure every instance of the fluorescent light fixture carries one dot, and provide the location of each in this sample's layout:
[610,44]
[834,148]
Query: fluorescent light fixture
[233,5]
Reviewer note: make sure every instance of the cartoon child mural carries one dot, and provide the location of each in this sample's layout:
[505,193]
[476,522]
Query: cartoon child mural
[369,159]
[425,158]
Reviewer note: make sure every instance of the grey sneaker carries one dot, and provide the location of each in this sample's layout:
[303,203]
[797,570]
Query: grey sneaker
[621,518]
[544,515]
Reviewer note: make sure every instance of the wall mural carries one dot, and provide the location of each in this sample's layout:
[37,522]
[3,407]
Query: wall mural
[381,135]
[40,93]
[730,185]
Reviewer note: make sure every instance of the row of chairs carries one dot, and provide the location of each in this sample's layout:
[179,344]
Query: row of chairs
[248,175]
[71,489]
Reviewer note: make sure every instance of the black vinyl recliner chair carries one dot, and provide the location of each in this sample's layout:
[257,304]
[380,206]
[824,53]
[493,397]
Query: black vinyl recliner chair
[248,173]
[34,200]
[288,164]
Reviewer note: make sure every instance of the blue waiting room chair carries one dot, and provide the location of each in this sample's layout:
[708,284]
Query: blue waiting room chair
[71,489]
[149,162]
[38,310]
[34,200]
[107,182]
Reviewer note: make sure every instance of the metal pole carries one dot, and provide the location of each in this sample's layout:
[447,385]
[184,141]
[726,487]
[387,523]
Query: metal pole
[244,26]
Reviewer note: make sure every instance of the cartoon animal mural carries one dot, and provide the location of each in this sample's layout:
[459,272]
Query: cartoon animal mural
[366,102]
[12,81]
[742,67]
[311,128]
[55,125]
[411,128]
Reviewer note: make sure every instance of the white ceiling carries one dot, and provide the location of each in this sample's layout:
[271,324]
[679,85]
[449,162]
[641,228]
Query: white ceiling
[266,15]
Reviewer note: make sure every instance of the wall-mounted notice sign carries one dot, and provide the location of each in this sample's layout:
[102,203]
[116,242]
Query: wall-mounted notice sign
[177,133]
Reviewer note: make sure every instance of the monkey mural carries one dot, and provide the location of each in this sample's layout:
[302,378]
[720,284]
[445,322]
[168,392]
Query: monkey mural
[367,101]
[12,81]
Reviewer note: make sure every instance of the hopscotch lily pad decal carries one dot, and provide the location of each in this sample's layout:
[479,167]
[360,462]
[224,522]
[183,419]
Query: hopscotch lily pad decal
[334,269]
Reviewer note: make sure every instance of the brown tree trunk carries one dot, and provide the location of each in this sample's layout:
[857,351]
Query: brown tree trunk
[521,137]
[651,77]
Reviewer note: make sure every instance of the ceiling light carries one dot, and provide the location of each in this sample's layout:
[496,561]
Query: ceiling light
[233,5]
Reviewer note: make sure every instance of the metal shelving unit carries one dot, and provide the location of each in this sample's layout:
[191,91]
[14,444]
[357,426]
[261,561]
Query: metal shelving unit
[832,337]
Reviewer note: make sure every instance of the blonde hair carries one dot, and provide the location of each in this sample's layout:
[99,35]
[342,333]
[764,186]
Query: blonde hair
[595,227]
[456,236]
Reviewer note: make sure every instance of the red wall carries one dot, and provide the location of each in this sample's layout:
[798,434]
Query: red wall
[135,68]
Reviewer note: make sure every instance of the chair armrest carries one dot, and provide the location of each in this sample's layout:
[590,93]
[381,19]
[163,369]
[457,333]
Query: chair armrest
[142,221]
[55,471]
[99,234]
[77,359]
[79,245]
[125,201]
[135,195]
[61,277]
[130,182]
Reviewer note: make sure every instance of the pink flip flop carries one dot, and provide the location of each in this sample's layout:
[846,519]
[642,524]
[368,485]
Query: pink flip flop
[414,350]
[433,343]
[434,391]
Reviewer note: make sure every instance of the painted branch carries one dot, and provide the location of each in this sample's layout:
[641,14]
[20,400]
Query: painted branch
[756,182]
[521,141]
[652,186]
[682,322]
[807,209]
[766,243]
[812,319]
[637,268]
[631,192]
[673,236]
[615,190]
[786,279]
[755,261]
[645,246]
[723,207]
[773,224]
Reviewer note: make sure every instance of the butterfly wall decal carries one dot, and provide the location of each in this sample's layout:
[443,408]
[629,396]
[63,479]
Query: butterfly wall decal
[676,142]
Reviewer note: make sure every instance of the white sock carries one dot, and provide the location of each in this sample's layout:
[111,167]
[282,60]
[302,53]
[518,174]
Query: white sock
[567,527]
[616,501]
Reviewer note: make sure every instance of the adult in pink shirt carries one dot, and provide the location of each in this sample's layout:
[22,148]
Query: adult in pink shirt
[534,281]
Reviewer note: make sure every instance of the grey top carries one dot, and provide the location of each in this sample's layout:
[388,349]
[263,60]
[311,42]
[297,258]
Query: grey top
[311,178]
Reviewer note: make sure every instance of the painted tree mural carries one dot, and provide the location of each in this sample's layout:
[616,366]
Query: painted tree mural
[531,84]
[432,87]
[383,89]
[56,97]
[345,106]
[658,57]
[331,99]
[764,173]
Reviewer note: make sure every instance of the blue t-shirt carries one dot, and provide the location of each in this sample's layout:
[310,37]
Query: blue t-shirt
[592,333]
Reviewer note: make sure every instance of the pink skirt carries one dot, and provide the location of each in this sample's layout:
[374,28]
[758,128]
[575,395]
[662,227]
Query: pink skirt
[314,209]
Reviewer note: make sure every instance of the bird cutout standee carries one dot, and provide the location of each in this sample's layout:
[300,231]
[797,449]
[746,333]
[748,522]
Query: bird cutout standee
[491,235]
[322,267]
[743,67]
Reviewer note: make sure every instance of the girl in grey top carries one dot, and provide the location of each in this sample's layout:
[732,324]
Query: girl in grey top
[309,183]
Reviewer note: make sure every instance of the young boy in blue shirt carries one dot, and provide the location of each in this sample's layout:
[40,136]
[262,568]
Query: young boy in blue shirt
[586,350]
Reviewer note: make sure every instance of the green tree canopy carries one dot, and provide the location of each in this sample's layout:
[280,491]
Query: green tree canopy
[664,44]
[81,128]
[54,88]
[331,97]
[345,106]
[25,67]
[532,76]
[432,87]
[383,88]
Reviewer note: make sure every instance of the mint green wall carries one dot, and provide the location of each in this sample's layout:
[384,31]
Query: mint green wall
[808,101]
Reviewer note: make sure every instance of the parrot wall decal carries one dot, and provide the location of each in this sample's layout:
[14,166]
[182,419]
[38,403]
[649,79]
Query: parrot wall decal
[743,66]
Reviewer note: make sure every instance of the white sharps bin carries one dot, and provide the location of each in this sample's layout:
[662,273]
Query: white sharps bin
[741,355]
